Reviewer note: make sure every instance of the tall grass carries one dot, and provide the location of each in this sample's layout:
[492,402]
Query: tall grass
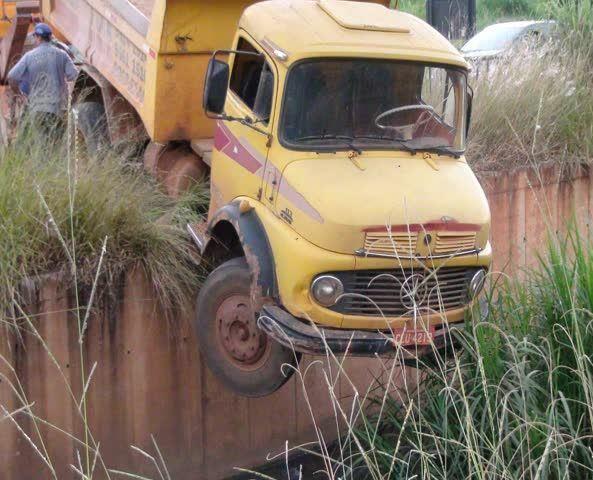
[518,404]
[53,203]
[515,403]
[89,218]
[535,104]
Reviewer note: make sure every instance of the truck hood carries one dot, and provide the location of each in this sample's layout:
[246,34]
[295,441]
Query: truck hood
[335,202]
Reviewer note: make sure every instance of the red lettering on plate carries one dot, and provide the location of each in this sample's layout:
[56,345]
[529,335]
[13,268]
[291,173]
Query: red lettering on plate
[411,336]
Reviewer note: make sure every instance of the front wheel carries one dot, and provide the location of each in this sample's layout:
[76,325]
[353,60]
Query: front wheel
[241,355]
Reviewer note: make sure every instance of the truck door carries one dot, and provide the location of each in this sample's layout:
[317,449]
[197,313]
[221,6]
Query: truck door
[241,147]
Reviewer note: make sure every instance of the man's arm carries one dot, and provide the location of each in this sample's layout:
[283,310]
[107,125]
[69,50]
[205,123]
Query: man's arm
[17,73]
[70,70]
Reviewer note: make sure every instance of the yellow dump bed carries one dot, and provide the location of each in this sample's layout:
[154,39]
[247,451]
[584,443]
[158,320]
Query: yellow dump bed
[7,12]
[154,52]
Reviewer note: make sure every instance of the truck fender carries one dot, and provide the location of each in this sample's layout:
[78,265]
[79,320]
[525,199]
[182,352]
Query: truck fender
[254,242]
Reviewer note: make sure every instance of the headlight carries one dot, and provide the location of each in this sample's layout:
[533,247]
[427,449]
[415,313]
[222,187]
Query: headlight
[326,290]
[477,283]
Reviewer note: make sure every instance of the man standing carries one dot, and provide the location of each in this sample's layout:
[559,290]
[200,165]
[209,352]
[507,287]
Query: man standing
[44,70]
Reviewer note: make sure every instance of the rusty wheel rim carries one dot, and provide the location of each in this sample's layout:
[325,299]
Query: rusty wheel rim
[243,343]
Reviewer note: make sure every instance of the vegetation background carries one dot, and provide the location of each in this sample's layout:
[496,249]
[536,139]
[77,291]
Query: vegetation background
[517,404]
[488,11]
[536,105]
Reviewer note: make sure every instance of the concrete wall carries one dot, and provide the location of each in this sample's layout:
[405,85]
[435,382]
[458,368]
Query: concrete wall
[527,205]
[149,380]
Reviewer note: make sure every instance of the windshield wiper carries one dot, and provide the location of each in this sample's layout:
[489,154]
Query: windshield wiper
[402,143]
[405,146]
[440,149]
[443,150]
[348,140]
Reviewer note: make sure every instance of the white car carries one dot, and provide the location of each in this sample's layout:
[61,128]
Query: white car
[496,40]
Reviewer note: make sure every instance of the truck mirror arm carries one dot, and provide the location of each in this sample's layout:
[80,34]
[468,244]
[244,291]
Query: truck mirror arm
[248,122]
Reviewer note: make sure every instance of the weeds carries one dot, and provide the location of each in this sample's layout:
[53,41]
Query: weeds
[53,206]
[90,219]
[533,110]
[535,105]
[517,404]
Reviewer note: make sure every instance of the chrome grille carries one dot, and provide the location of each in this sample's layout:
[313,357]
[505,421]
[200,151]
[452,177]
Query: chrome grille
[450,243]
[395,293]
[390,243]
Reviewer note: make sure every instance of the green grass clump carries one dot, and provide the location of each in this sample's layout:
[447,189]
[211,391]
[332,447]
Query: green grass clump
[57,211]
[517,404]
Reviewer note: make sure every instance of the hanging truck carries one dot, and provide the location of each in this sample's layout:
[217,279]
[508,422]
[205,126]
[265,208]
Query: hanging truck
[343,214]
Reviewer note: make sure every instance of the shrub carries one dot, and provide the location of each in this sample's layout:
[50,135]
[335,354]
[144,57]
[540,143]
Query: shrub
[57,211]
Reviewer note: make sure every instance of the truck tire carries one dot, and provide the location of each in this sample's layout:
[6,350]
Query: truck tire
[241,355]
[91,125]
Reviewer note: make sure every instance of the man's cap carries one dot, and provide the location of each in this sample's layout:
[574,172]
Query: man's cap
[43,30]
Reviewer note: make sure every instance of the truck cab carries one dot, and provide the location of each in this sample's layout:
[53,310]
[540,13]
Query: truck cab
[343,214]
[338,173]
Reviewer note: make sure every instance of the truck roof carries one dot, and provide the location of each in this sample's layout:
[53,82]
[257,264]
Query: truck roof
[336,28]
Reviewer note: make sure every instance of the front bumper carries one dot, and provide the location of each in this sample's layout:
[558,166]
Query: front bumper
[314,340]
[299,261]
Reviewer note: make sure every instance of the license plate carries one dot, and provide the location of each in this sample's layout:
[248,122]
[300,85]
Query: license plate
[411,336]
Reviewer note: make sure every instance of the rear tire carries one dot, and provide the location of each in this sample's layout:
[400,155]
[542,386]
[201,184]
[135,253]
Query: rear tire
[91,126]
[242,356]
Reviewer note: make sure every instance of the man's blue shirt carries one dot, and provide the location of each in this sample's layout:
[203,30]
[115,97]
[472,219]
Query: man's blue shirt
[46,70]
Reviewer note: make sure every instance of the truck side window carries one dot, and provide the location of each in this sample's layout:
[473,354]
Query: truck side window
[252,81]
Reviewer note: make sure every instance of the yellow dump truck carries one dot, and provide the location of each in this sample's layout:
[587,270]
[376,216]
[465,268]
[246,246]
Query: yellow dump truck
[343,213]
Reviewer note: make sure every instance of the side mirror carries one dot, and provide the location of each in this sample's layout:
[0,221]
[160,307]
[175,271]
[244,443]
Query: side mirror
[216,86]
[468,116]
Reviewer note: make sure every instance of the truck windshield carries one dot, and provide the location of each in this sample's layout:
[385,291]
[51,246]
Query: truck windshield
[374,104]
